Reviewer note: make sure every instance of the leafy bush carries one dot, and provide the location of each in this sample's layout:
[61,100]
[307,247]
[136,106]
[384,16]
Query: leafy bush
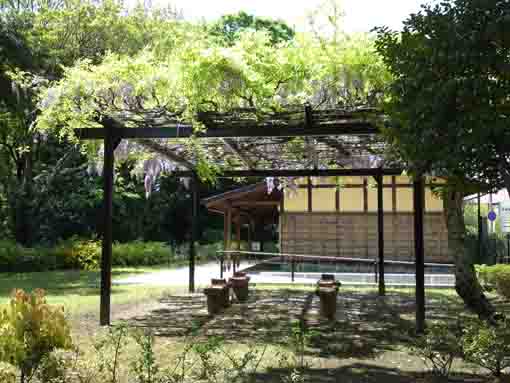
[495,277]
[438,347]
[7,373]
[53,367]
[488,345]
[139,253]
[85,254]
[30,329]
[109,348]
[145,367]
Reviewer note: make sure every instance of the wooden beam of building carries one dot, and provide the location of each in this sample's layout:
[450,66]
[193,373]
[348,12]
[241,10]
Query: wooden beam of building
[255,203]
[300,172]
[267,130]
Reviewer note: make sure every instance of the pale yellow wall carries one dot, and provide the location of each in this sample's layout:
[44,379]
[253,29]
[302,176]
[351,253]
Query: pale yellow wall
[296,202]
[372,199]
[404,199]
[432,201]
[324,200]
[351,199]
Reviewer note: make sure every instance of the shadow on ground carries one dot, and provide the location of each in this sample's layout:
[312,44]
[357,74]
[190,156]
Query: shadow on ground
[367,328]
[60,283]
[357,373]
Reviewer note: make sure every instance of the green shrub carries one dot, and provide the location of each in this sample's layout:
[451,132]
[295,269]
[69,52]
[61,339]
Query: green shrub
[209,251]
[7,373]
[53,367]
[495,277]
[30,330]
[138,253]
[438,347]
[14,257]
[488,345]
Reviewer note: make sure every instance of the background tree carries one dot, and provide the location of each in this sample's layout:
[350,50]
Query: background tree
[38,38]
[228,28]
[449,96]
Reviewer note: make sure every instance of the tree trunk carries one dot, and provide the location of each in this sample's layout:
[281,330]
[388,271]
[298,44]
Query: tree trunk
[506,178]
[466,282]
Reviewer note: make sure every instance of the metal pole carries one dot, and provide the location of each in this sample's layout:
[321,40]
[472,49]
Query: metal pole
[292,268]
[222,257]
[194,231]
[380,230]
[106,250]
[418,197]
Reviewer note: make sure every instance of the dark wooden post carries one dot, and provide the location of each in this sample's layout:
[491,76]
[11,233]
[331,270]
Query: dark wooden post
[418,194]
[106,251]
[238,239]
[380,233]
[309,193]
[194,231]
[228,228]
[479,224]
[292,268]
[248,233]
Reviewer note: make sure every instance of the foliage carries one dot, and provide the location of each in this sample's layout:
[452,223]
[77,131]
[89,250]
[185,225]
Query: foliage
[30,329]
[438,347]
[488,345]
[85,254]
[53,367]
[37,38]
[7,373]
[449,95]
[145,367]
[109,347]
[250,73]
[495,277]
[229,27]
[207,361]
[299,338]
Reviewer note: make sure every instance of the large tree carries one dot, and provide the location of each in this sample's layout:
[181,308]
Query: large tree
[38,38]
[229,27]
[450,101]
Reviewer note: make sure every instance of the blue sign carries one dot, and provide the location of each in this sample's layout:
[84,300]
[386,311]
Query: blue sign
[492,215]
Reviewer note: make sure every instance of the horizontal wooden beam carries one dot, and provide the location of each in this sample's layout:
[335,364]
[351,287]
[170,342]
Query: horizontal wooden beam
[185,131]
[256,203]
[299,172]
[166,152]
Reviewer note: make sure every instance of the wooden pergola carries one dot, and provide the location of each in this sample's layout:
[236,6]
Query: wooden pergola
[298,142]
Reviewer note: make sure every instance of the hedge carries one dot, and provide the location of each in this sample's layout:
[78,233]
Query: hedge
[86,255]
[495,277]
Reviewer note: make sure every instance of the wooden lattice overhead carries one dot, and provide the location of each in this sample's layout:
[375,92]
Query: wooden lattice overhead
[299,141]
[246,139]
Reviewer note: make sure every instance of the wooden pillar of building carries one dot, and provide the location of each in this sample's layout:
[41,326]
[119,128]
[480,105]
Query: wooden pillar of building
[110,142]
[194,230]
[380,233]
[238,233]
[227,228]
[237,257]
[419,249]
[248,235]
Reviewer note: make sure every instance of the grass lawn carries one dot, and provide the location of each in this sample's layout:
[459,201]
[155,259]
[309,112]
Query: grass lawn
[369,341]
[78,291]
